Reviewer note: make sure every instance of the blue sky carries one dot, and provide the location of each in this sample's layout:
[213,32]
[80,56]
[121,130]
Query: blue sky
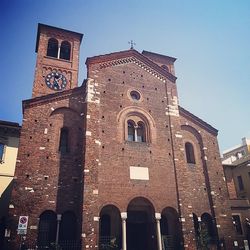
[209,38]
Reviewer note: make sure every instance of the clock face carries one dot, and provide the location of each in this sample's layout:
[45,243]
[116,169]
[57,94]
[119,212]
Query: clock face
[56,81]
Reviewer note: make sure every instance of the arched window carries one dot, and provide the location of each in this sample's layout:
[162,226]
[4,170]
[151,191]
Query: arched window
[131,131]
[52,49]
[64,141]
[189,149]
[136,130]
[65,50]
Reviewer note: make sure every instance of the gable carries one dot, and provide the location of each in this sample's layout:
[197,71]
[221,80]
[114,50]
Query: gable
[131,56]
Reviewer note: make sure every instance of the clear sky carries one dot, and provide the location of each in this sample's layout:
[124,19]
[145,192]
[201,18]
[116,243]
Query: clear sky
[209,38]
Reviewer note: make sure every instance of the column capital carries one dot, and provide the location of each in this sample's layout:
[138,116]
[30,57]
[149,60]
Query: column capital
[124,215]
[157,216]
[59,217]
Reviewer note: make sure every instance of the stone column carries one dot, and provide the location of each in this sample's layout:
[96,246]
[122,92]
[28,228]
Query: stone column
[124,233]
[158,229]
[59,216]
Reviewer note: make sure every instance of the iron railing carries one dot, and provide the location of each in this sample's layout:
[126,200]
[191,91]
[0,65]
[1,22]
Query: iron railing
[62,245]
[108,243]
[168,242]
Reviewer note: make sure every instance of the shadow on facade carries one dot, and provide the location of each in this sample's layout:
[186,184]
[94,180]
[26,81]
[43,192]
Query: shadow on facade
[63,227]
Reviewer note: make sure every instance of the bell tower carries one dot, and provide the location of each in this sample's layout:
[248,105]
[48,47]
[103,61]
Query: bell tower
[57,60]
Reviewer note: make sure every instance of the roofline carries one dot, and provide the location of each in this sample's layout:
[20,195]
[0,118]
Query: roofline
[44,98]
[173,59]
[233,148]
[130,52]
[9,124]
[40,25]
[198,121]
[240,162]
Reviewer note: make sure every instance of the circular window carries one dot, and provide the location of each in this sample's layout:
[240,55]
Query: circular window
[135,95]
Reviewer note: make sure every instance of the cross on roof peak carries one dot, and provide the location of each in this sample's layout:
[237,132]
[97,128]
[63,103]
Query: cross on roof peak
[132,43]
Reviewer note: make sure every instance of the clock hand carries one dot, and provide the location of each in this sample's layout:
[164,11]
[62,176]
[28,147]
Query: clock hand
[55,83]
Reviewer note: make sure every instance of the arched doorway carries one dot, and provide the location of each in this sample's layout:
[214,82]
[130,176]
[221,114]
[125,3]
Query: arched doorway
[207,229]
[110,228]
[196,229]
[170,229]
[47,229]
[141,231]
[205,233]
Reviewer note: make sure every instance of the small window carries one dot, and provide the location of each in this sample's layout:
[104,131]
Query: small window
[240,183]
[64,141]
[237,224]
[189,149]
[52,49]
[1,151]
[65,50]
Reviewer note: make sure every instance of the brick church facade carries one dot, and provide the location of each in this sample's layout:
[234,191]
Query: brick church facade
[115,163]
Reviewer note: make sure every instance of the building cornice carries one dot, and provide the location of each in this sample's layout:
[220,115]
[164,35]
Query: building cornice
[50,97]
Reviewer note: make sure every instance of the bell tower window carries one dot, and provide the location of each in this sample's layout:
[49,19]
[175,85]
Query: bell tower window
[65,50]
[52,49]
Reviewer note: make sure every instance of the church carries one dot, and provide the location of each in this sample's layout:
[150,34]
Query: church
[115,163]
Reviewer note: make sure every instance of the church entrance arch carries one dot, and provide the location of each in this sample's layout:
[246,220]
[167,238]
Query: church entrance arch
[170,229]
[110,228]
[141,229]
[47,229]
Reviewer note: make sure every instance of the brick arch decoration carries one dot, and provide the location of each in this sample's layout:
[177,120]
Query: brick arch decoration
[144,198]
[66,117]
[148,120]
[107,203]
[193,131]
[62,109]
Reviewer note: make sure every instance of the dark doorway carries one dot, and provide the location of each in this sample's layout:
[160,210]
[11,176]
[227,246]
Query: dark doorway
[110,228]
[208,229]
[170,229]
[47,229]
[196,229]
[141,230]
[2,231]
[68,227]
